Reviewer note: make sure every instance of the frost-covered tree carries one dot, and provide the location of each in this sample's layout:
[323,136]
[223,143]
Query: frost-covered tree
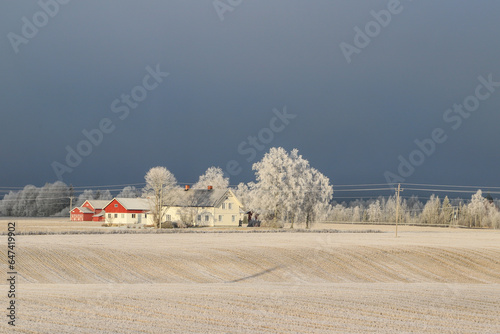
[245,192]
[61,192]
[7,204]
[159,183]
[45,201]
[492,218]
[287,188]
[375,211]
[89,195]
[272,184]
[414,209]
[214,176]
[356,214]
[477,208]
[431,213]
[26,203]
[105,195]
[339,212]
[129,192]
[388,208]
[86,195]
[317,194]
[32,201]
[446,215]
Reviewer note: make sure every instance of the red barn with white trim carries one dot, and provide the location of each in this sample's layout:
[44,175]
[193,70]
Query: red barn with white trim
[90,210]
[127,211]
[81,214]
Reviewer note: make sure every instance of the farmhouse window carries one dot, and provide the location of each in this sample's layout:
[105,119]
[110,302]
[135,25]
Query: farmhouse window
[233,218]
[223,206]
[116,205]
[207,218]
[116,215]
[109,215]
[230,206]
[220,218]
[199,218]
[133,215]
[169,217]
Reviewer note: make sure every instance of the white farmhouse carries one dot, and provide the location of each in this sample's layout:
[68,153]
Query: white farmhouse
[203,207]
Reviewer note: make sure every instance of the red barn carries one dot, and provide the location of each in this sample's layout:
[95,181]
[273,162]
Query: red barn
[127,211]
[81,214]
[90,210]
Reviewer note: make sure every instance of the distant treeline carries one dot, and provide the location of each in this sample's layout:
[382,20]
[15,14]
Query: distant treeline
[479,211]
[53,199]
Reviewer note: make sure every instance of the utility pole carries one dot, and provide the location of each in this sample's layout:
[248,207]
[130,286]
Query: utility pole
[70,205]
[397,207]
[160,208]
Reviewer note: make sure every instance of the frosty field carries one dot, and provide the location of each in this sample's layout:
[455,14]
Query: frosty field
[435,280]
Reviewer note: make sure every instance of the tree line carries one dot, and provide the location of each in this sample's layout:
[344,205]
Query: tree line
[286,190]
[53,199]
[480,211]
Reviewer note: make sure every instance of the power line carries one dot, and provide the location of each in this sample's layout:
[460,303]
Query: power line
[79,187]
[367,189]
[451,186]
[360,185]
[111,185]
[451,190]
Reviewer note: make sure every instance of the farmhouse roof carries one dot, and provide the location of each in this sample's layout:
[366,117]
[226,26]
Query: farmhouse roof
[198,197]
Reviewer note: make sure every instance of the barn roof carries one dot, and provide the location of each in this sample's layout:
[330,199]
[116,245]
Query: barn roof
[131,203]
[83,209]
[134,203]
[98,204]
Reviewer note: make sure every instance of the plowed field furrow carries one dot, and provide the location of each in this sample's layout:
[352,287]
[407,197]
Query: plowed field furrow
[347,264]
[330,307]
[268,283]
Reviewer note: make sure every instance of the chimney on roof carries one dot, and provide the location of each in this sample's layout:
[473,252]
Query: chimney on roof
[210,188]
[187,187]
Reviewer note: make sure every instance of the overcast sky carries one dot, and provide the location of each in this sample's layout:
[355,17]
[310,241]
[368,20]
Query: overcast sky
[356,111]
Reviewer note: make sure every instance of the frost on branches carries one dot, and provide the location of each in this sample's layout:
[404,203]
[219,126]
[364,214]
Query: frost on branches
[480,212]
[287,189]
[214,176]
[159,181]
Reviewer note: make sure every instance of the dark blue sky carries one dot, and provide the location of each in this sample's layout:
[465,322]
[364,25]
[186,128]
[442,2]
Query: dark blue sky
[353,120]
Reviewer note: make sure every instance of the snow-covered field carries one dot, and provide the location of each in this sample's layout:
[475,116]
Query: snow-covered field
[47,224]
[428,280]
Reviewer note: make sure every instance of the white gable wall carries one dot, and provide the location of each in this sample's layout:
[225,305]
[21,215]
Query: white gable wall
[227,213]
